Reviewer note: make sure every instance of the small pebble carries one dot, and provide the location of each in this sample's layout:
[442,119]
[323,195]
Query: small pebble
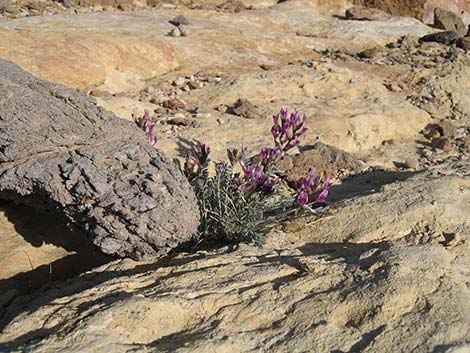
[180,81]
[412,163]
[175,32]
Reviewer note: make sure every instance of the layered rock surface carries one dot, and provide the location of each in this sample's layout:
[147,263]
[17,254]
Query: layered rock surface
[61,152]
[361,290]
[119,51]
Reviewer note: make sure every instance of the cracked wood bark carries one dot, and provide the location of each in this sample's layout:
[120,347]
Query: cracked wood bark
[60,151]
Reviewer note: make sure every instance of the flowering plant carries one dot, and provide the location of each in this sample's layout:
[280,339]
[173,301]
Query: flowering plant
[234,203]
[244,194]
[147,125]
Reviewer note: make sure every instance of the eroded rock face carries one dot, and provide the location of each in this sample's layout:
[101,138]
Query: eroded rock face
[60,151]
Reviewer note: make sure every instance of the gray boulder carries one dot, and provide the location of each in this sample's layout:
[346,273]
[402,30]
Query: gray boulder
[60,151]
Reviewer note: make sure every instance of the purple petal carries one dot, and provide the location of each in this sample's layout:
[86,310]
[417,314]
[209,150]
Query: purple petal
[302,198]
[323,196]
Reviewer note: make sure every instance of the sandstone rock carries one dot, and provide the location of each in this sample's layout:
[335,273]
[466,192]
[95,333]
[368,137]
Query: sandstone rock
[412,163]
[459,7]
[232,6]
[96,169]
[420,9]
[245,109]
[365,14]
[446,37]
[449,21]
[202,113]
[464,43]
[175,32]
[325,159]
[448,128]
[124,59]
[345,107]
[442,143]
[99,93]
[174,103]
[390,264]
[184,31]
[7,6]
[449,83]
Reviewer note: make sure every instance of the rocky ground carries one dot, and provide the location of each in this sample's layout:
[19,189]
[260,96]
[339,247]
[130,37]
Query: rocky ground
[386,269]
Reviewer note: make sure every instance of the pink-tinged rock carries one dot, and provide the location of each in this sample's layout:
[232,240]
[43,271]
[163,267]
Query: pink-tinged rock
[460,7]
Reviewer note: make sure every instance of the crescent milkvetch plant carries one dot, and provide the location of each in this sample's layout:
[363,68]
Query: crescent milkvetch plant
[237,203]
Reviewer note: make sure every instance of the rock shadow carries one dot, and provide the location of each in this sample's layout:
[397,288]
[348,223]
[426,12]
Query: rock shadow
[40,228]
[366,184]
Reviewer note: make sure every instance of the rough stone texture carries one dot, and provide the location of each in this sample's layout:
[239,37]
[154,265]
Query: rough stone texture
[123,50]
[449,21]
[365,14]
[449,84]
[245,109]
[446,37]
[328,160]
[345,107]
[464,43]
[420,9]
[59,151]
[388,268]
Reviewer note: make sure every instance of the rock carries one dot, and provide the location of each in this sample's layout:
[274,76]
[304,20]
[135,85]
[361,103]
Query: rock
[126,7]
[464,43]
[180,20]
[174,104]
[7,6]
[326,159]
[221,108]
[412,163]
[96,169]
[391,262]
[370,53]
[447,128]
[441,37]
[233,6]
[449,21]
[442,143]
[202,113]
[365,14]
[195,84]
[245,109]
[99,93]
[184,31]
[124,60]
[180,121]
[175,32]
[180,81]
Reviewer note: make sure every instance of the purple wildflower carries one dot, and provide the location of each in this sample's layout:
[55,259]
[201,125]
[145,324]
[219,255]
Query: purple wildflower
[147,125]
[302,198]
[310,188]
[287,130]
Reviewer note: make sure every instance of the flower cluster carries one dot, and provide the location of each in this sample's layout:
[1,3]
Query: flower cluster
[256,171]
[309,189]
[194,164]
[287,130]
[147,125]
